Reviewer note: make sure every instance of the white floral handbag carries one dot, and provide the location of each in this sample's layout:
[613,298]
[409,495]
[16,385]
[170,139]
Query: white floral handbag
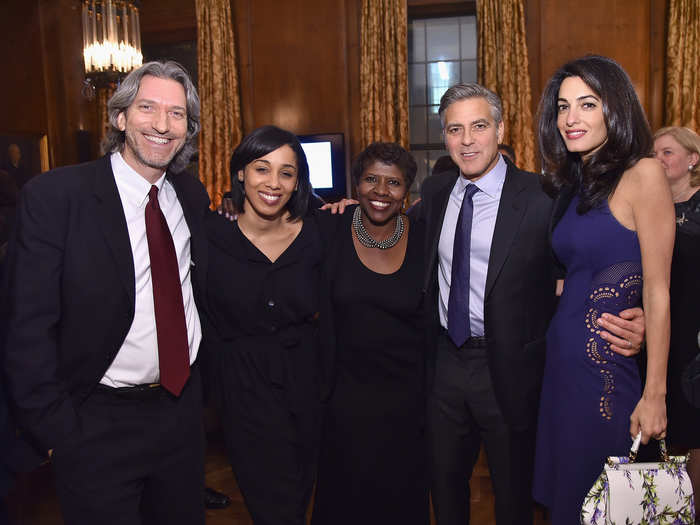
[629,493]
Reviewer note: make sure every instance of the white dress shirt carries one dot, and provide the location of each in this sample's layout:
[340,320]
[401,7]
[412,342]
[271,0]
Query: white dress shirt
[137,360]
[486,203]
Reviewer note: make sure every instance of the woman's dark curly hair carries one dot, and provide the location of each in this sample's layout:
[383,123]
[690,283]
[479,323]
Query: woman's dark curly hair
[628,134]
[388,153]
[259,143]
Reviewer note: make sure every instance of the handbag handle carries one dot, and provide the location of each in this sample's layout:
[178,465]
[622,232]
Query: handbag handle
[635,448]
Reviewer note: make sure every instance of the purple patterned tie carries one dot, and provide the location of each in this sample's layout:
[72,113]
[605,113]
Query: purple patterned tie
[458,303]
[171,327]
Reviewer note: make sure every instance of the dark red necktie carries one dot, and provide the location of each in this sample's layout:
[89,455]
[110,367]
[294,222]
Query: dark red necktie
[171,327]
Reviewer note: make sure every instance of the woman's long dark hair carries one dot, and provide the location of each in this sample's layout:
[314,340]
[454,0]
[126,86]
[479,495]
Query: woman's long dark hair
[628,134]
[259,143]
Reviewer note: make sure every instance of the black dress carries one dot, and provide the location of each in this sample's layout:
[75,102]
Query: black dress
[683,418]
[372,466]
[261,343]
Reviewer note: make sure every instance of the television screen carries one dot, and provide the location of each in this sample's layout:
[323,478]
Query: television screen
[325,154]
[318,155]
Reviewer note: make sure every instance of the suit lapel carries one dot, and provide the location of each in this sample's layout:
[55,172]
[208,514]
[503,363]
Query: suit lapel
[195,223]
[511,210]
[109,214]
[437,215]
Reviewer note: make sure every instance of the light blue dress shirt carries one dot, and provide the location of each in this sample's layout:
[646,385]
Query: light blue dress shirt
[486,203]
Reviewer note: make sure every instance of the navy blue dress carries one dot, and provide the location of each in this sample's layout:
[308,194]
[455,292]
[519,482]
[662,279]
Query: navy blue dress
[588,391]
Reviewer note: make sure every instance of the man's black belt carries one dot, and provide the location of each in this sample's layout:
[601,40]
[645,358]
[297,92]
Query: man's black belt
[145,391]
[472,342]
[475,342]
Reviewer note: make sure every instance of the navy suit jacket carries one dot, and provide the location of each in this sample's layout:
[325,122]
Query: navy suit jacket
[71,290]
[519,297]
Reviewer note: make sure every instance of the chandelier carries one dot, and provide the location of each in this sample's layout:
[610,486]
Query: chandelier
[111,41]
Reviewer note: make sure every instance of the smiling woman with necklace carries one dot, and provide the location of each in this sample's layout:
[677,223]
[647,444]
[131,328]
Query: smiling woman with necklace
[372,467]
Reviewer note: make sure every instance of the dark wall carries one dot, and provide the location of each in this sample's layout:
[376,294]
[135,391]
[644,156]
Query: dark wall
[298,59]
[41,53]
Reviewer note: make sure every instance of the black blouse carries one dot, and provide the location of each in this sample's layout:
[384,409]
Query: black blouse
[264,312]
[688,215]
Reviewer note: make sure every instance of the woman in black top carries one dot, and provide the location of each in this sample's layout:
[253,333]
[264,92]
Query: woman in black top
[678,149]
[372,461]
[262,338]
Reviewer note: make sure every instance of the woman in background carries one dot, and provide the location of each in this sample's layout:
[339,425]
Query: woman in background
[678,149]
[615,231]
[372,462]
[262,337]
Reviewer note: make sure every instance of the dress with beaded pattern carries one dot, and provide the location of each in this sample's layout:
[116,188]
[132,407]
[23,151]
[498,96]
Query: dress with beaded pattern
[588,391]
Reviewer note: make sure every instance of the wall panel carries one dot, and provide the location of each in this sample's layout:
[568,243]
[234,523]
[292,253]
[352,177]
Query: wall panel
[630,31]
[22,90]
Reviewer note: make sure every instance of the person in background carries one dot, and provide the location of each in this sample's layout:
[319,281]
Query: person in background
[443,164]
[678,149]
[613,231]
[372,467]
[15,167]
[102,330]
[507,151]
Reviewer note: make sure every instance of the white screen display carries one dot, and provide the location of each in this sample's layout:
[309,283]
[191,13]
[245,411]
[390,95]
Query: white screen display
[318,155]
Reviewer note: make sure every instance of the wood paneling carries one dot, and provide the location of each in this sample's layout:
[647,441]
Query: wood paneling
[42,58]
[299,66]
[64,71]
[629,31]
[22,89]
[298,59]
[168,21]
[440,8]
[295,64]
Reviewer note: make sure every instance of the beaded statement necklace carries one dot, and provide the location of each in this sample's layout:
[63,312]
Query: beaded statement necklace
[367,240]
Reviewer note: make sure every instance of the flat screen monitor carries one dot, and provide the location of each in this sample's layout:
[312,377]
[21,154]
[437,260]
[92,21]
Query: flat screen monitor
[325,154]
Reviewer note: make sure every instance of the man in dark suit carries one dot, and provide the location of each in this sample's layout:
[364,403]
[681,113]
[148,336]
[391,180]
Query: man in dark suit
[103,332]
[490,287]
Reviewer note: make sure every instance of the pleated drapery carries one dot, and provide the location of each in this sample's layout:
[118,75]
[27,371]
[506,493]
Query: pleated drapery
[683,64]
[103,94]
[384,72]
[219,95]
[503,67]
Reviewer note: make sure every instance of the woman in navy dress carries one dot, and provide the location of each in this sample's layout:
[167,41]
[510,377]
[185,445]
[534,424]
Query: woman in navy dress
[615,233]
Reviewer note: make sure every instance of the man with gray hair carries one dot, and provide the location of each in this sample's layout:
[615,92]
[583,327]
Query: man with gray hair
[490,287]
[103,332]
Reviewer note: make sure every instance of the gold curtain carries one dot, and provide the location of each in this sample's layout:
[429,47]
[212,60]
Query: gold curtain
[503,68]
[103,94]
[384,72]
[218,91]
[682,64]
